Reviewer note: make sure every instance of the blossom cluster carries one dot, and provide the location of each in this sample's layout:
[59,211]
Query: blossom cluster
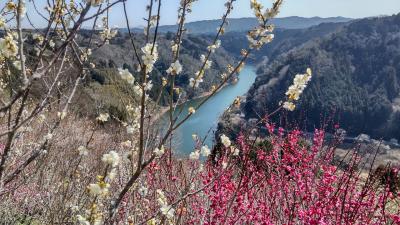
[204,151]
[175,68]
[195,81]
[106,34]
[291,180]
[291,183]
[150,56]
[262,34]
[165,208]
[19,8]
[198,79]
[100,189]
[8,46]
[294,91]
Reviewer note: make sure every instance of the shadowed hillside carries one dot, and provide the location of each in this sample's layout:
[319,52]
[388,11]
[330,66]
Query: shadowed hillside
[356,78]
[284,40]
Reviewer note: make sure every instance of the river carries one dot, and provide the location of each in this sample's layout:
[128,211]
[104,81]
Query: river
[204,122]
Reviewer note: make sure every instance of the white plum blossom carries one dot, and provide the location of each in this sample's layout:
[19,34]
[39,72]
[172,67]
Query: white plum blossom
[175,68]
[290,106]
[82,220]
[61,115]
[2,22]
[94,189]
[201,168]
[150,57]
[195,83]
[8,46]
[38,38]
[215,46]
[267,38]
[167,211]
[112,174]
[103,117]
[17,65]
[143,190]
[205,151]
[48,136]
[162,200]
[126,144]
[148,86]
[235,151]
[130,129]
[126,75]
[225,141]
[191,110]
[202,58]
[257,44]
[174,47]
[218,43]
[300,82]
[159,151]
[137,90]
[195,155]
[98,189]
[112,158]
[107,34]
[82,150]
[52,44]
[41,118]
[208,63]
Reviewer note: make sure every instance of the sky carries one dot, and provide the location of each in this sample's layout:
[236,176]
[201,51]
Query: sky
[213,9]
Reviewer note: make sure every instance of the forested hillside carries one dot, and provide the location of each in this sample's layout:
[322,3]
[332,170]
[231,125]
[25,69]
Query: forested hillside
[356,79]
[284,40]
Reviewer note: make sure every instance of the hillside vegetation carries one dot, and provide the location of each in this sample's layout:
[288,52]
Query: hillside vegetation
[106,91]
[284,40]
[356,79]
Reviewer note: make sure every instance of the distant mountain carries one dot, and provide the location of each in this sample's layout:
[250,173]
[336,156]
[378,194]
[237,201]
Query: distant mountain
[356,78]
[244,24]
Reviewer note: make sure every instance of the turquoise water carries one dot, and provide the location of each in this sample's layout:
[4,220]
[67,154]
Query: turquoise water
[204,122]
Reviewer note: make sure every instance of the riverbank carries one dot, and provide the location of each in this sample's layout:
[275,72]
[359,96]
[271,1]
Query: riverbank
[205,121]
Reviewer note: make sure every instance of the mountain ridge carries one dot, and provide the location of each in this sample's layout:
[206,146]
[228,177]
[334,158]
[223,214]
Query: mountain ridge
[245,23]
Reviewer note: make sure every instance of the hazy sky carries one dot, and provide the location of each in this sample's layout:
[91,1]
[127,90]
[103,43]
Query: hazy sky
[212,9]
